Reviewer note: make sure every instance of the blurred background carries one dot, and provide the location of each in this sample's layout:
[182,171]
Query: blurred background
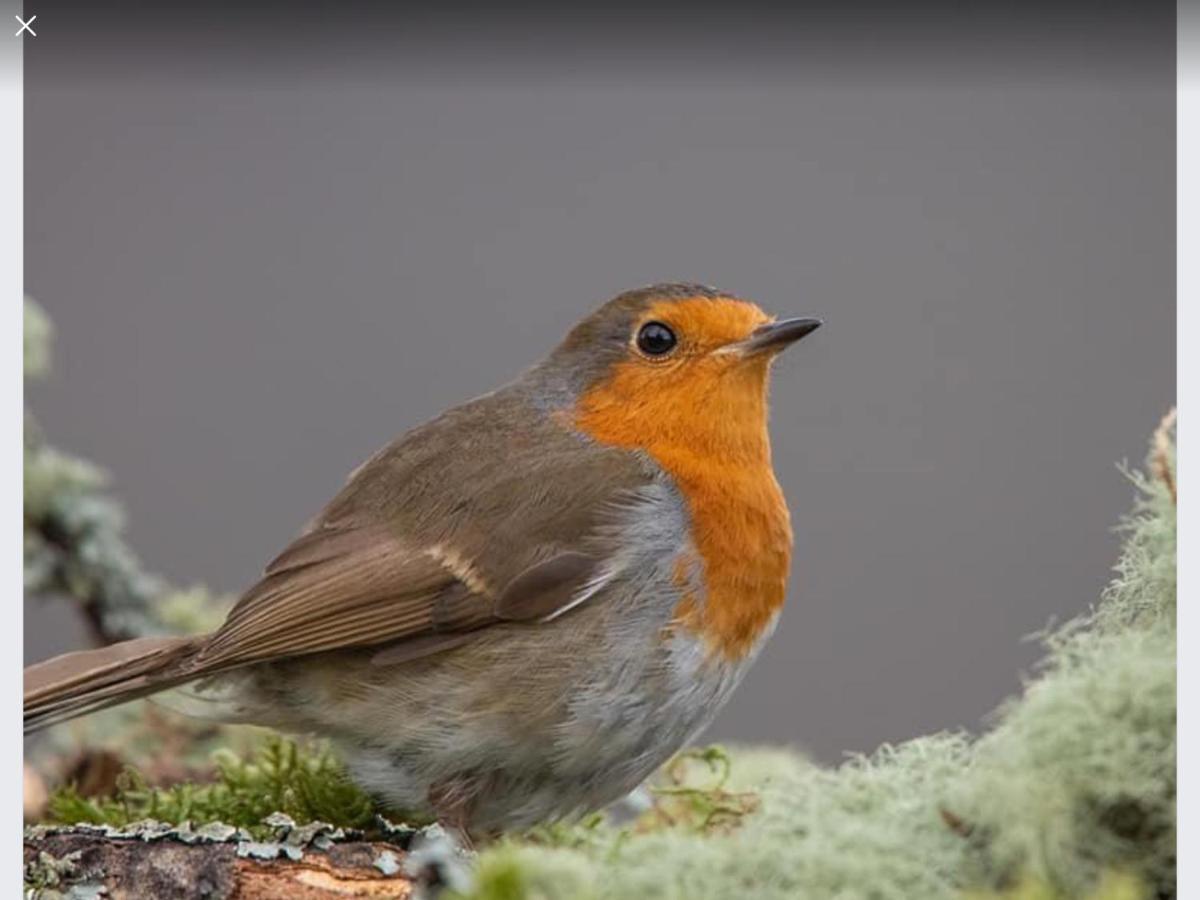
[271,240]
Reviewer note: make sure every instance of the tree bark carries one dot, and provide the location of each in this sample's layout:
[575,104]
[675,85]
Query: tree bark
[78,863]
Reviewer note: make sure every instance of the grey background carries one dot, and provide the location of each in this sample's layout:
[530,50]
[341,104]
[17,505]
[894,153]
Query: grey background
[269,251]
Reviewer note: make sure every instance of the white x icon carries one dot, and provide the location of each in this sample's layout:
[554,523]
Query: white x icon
[25,26]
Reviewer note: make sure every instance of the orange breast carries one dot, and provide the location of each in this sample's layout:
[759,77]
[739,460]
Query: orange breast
[705,423]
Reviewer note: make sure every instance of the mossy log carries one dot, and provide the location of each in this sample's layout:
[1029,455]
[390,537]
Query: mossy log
[88,862]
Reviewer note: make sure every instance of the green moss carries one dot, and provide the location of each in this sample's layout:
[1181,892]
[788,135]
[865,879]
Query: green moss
[302,781]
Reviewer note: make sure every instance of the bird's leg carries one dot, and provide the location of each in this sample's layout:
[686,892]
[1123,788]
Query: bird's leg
[442,861]
[451,800]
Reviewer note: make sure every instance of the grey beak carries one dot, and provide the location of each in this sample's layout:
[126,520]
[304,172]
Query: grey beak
[777,335]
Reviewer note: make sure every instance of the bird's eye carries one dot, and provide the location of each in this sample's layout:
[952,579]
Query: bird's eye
[655,339]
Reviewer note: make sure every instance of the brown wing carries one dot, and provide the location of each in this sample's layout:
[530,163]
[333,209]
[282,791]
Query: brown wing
[440,534]
[332,589]
[335,589]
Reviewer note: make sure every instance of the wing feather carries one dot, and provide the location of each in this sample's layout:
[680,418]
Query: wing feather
[334,591]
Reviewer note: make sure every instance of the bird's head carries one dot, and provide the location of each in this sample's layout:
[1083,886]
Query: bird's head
[677,364]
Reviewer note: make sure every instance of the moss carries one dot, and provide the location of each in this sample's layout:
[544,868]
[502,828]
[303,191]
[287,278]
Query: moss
[304,782]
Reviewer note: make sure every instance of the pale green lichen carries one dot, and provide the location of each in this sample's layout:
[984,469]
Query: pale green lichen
[1112,885]
[1078,775]
[36,340]
[49,877]
[74,535]
[74,546]
[47,871]
[1070,794]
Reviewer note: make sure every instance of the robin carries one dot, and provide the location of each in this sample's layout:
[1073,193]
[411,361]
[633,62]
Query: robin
[520,609]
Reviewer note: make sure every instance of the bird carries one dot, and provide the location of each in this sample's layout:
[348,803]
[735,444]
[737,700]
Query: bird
[517,611]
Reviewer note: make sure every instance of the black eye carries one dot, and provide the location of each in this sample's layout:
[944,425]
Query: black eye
[655,339]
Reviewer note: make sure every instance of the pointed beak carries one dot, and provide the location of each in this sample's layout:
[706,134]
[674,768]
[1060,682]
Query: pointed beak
[775,336]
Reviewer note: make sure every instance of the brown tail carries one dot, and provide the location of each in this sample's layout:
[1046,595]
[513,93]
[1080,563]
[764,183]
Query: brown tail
[76,683]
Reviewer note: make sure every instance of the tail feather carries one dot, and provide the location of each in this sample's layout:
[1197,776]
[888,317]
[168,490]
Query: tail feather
[76,683]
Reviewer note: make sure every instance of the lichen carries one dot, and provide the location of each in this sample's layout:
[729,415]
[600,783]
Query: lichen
[37,338]
[1078,776]
[1071,793]
[75,548]
[46,870]
[1111,885]
[74,535]
[50,877]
